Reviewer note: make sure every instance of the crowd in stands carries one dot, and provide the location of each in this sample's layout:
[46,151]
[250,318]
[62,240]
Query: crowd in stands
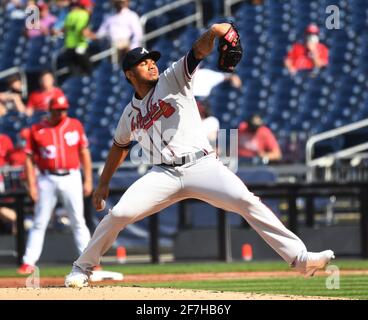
[70,20]
[122,30]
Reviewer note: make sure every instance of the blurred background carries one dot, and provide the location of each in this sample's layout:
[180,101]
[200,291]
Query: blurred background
[303,74]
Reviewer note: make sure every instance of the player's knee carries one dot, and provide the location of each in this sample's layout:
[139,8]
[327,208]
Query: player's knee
[116,213]
[117,220]
[121,212]
[245,202]
[129,210]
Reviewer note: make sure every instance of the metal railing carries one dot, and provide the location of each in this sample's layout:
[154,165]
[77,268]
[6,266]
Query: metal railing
[329,159]
[196,17]
[113,52]
[227,6]
[17,70]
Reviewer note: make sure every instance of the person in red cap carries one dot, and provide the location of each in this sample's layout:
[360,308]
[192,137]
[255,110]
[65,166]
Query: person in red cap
[39,100]
[57,146]
[86,3]
[307,56]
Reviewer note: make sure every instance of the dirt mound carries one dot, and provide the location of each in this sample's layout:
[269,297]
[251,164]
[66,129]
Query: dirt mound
[53,288]
[142,278]
[129,293]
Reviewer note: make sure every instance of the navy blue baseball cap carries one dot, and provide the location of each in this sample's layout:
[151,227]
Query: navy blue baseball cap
[136,55]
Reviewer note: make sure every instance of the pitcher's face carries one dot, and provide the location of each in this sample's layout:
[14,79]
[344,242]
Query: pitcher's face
[146,72]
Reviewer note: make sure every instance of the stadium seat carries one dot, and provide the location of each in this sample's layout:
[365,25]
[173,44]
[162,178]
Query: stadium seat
[336,96]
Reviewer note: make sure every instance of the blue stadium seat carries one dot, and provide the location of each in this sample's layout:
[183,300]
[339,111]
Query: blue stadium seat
[337,95]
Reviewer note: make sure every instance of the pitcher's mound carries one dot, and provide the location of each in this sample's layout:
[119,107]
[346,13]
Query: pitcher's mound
[132,293]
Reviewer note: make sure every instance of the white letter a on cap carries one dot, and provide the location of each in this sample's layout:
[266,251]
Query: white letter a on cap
[144,50]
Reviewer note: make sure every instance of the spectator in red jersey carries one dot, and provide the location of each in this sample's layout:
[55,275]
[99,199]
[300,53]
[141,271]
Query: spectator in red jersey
[307,56]
[58,147]
[39,100]
[256,141]
[6,146]
[7,215]
[17,156]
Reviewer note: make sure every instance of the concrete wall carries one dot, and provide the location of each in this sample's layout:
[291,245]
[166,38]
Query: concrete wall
[58,248]
[202,244]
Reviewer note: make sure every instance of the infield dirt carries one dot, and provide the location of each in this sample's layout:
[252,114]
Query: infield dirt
[129,293]
[53,288]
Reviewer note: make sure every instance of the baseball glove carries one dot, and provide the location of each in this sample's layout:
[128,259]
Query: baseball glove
[230,50]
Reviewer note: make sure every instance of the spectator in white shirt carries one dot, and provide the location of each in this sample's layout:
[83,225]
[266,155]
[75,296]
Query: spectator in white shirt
[206,79]
[123,29]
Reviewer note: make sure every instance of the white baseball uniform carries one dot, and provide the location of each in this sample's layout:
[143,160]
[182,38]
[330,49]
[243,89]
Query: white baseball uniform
[56,153]
[170,105]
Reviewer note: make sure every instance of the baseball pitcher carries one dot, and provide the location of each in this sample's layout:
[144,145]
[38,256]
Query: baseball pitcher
[163,117]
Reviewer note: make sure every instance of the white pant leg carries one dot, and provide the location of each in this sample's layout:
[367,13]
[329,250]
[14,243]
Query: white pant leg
[153,192]
[210,181]
[71,190]
[43,210]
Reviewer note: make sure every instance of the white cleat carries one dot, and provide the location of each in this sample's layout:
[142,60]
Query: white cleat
[76,279]
[317,261]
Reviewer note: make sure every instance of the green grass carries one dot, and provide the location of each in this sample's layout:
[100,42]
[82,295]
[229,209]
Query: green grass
[59,271]
[353,287]
[136,269]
